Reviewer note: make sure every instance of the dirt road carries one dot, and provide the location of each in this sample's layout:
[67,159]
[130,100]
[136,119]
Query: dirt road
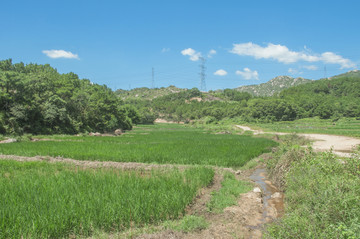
[341,145]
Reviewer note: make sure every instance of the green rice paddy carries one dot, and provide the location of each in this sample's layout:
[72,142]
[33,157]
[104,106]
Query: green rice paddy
[55,200]
[45,200]
[164,144]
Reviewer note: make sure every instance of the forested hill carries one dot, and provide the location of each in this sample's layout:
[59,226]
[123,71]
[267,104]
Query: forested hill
[332,97]
[273,86]
[37,99]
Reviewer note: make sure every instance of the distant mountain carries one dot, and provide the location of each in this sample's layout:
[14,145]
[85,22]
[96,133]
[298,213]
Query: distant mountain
[273,86]
[147,93]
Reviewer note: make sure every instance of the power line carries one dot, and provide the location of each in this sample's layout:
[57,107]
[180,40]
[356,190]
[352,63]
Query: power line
[153,81]
[202,74]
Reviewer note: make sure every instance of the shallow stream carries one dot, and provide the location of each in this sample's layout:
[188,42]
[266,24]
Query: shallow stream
[273,200]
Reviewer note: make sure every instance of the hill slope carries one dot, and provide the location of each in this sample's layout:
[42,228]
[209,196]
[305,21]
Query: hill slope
[273,86]
[145,93]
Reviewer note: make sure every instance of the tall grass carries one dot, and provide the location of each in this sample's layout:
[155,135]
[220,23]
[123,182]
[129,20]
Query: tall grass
[151,144]
[322,196]
[42,200]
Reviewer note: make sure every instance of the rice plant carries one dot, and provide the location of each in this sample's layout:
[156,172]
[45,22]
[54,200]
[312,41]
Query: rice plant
[43,200]
[151,144]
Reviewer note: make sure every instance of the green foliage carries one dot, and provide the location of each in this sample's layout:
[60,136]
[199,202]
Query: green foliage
[42,200]
[322,195]
[151,143]
[228,194]
[235,95]
[37,99]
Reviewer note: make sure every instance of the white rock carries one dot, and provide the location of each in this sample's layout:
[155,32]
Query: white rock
[8,141]
[257,190]
[276,195]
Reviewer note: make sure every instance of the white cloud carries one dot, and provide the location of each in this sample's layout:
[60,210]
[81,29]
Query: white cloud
[284,55]
[248,74]
[220,72]
[60,54]
[211,53]
[292,71]
[311,67]
[295,71]
[332,58]
[165,50]
[194,56]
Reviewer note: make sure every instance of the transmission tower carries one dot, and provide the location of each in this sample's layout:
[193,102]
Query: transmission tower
[153,78]
[325,72]
[202,74]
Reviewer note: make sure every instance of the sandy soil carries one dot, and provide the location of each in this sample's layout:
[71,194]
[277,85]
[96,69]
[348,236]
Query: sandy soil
[167,121]
[341,145]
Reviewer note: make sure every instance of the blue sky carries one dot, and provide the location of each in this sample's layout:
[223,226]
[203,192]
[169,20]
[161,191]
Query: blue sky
[117,43]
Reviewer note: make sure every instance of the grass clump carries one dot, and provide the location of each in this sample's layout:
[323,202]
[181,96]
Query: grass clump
[228,194]
[188,223]
[43,200]
[322,195]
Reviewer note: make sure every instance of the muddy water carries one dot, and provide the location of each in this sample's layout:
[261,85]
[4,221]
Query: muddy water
[273,200]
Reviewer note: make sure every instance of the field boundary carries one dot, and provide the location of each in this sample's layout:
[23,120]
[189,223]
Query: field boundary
[107,164]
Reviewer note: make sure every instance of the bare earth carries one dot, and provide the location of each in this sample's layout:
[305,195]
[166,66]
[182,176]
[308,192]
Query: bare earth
[341,145]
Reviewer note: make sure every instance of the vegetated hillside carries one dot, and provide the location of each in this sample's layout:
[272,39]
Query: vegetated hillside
[37,99]
[333,97]
[349,74]
[326,98]
[148,93]
[273,86]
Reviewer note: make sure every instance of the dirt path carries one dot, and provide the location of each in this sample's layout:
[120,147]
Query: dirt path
[341,145]
[246,219]
[93,164]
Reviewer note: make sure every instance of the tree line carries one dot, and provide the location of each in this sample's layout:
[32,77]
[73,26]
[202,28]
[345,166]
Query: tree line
[37,99]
